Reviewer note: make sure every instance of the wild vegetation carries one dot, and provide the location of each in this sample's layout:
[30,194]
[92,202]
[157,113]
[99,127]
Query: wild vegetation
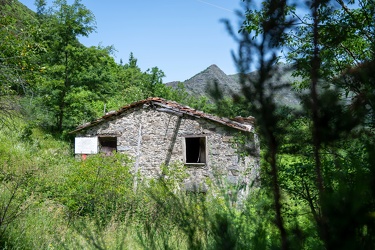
[317,162]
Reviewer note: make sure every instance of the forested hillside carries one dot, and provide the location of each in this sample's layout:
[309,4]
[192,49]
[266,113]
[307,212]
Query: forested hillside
[63,83]
[315,123]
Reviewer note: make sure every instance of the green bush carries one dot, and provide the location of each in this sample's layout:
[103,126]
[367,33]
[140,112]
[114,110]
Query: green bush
[98,186]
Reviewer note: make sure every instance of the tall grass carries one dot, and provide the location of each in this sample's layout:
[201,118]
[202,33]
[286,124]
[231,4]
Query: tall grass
[63,203]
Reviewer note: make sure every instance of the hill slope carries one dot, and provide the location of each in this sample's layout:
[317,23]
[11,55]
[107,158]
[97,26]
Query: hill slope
[230,84]
[197,85]
[17,10]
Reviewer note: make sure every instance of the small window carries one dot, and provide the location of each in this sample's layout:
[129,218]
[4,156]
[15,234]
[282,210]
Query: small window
[195,150]
[108,145]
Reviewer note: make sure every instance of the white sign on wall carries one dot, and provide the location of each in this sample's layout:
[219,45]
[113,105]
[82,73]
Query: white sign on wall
[86,145]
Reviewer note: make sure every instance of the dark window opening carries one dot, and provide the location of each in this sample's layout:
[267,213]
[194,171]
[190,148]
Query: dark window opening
[108,145]
[195,149]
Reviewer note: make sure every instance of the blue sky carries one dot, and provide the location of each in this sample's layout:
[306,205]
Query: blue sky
[180,37]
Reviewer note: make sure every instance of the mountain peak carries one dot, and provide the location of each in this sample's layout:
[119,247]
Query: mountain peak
[198,83]
[211,73]
[213,66]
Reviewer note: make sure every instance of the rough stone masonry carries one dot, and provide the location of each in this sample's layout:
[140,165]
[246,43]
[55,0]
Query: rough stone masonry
[156,132]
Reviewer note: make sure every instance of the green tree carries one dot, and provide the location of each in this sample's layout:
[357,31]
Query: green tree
[17,56]
[346,50]
[62,25]
[321,153]
[131,84]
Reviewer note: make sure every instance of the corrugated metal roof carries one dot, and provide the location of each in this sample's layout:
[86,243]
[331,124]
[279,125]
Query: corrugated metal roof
[240,123]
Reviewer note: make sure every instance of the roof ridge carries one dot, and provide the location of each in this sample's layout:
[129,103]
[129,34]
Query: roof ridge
[245,124]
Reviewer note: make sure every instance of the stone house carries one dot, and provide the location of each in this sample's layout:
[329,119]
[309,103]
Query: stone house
[156,132]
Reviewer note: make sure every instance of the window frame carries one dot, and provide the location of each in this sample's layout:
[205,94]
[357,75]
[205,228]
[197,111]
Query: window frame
[205,152]
[104,139]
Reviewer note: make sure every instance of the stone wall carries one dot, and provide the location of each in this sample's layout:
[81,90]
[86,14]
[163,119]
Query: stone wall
[153,137]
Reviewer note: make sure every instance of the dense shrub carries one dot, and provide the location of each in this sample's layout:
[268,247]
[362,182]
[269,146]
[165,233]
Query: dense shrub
[98,186]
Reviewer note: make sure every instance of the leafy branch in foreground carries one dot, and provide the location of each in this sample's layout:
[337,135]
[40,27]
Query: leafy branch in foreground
[329,154]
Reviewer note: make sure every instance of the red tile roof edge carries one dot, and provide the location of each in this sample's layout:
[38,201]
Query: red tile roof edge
[176,107]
